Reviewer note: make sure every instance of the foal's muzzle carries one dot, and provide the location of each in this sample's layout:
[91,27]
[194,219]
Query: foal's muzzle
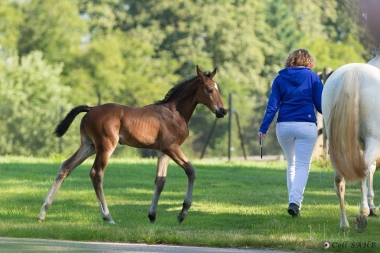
[221,112]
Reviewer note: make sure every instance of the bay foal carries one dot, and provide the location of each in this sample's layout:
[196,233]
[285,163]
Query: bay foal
[162,126]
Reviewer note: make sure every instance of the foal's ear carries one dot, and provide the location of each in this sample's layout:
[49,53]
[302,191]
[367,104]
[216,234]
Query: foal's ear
[212,74]
[200,73]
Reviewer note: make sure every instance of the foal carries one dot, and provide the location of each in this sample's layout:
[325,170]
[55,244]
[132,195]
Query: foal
[162,126]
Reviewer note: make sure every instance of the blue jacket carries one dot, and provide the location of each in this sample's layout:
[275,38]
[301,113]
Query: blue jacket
[296,93]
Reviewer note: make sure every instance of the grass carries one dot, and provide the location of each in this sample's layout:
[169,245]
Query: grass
[235,204]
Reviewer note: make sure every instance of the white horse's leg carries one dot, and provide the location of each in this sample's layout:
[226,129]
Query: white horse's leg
[372,151]
[66,168]
[364,207]
[360,221]
[340,188]
[162,167]
[371,194]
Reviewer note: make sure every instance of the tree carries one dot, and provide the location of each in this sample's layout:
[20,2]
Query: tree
[10,19]
[223,34]
[132,52]
[311,18]
[335,54]
[284,35]
[30,99]
[127,72]
[52,27]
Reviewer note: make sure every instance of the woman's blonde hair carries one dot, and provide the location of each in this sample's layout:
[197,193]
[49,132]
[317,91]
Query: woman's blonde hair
[300,57]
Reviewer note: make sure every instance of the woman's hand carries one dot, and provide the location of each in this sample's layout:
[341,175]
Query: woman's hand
[260,137]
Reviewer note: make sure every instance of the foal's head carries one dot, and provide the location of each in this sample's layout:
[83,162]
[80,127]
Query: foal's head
[208,93]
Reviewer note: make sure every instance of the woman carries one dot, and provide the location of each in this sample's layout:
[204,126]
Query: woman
[296,92]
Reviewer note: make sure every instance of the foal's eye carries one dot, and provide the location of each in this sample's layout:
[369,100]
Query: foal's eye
[209,90]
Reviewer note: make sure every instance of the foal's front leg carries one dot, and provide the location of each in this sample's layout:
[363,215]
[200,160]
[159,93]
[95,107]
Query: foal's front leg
[190,172]
[162,167]
[177,156]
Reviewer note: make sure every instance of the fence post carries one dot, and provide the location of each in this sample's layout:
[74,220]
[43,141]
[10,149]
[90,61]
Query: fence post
[208,139]
[229,124]
[60,139]
[240,135]
[99,97]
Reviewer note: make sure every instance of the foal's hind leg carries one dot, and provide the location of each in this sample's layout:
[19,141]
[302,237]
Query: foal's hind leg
[177,156]
[162,167]
[97,175]
[84,151]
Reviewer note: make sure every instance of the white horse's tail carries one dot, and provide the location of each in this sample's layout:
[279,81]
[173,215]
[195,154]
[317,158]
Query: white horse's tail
[345,153]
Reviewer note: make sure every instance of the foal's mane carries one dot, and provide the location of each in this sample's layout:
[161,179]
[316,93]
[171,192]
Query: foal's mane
[171,93]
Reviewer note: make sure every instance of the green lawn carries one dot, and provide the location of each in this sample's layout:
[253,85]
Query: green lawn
[235,204]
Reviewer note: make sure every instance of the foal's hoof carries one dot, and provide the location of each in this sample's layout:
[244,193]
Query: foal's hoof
[40,218]
[109,219]
[360,223]
[152,217]
[180,218]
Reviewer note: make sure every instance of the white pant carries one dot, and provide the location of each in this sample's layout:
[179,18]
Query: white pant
[297,140]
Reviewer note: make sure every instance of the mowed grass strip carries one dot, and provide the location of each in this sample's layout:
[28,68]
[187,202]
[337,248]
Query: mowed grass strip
[235,204]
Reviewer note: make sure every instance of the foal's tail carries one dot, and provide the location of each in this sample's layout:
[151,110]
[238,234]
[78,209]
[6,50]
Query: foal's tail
[64,125]
[345,153]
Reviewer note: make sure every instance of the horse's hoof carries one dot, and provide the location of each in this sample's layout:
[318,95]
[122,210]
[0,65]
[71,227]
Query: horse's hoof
[360,223]
[40,220]
[152,217]
[345,229]
[372,211]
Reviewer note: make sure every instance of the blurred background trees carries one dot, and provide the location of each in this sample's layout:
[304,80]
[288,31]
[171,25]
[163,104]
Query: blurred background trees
[59,54]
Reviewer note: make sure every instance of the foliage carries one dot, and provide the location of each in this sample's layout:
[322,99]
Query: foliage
[336,53]
[132,52]
[28,88]
[121,73]
[52,27]
[11,18]
[311,17]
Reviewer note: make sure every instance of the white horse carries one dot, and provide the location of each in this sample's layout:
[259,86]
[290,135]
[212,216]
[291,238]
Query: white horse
[351,112]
